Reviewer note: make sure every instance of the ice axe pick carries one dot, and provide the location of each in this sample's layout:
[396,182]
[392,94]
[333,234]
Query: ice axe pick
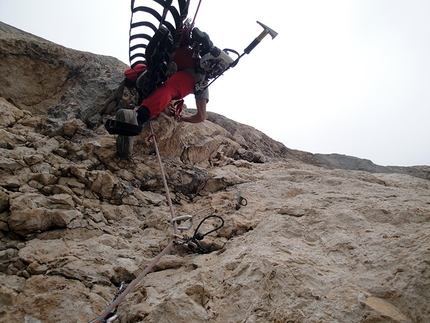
[264,33]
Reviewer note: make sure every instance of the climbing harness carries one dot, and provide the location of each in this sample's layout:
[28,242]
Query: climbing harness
[157,51]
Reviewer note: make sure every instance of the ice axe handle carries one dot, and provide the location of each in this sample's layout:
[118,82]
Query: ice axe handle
[251,46]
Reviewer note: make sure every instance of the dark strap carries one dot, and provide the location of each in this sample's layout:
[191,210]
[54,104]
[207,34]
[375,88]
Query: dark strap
[140,40]
[156,45]
[115,127]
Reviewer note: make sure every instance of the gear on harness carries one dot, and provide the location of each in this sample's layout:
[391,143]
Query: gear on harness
[213,65]
[215,62]
[212,61]
[201,42]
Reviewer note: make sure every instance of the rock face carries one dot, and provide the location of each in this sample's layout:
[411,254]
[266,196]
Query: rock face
[354,163]
[312,244]
[40,77]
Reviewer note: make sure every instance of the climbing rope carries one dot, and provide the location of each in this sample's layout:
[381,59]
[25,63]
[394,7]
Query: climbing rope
[109,314]
[112,307]
[153,138]
[195,15]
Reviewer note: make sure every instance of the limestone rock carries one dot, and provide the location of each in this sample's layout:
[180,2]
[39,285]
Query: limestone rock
[4,200]
[40,76]
[10,114]
[102,182]
[70,297]
[383,308]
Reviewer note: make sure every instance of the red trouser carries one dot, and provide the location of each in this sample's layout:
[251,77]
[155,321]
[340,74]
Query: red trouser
[178,86]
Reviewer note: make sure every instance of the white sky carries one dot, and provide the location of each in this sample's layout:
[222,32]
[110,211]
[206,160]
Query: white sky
[343,76]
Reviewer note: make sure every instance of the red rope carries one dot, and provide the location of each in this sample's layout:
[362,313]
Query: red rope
[163,176]
[152,264]
[133,284]
[195,15]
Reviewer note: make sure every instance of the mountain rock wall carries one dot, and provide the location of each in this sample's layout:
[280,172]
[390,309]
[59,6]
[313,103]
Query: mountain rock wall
[308,244]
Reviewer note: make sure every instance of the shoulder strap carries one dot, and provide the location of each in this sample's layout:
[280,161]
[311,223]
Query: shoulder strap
[155,34]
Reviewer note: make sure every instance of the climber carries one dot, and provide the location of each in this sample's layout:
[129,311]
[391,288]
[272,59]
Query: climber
[180,84]
[195,64]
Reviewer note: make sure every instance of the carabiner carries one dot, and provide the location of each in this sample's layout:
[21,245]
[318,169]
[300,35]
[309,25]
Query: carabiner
[182,218]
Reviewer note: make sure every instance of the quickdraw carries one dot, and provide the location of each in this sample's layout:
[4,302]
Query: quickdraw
[193,242]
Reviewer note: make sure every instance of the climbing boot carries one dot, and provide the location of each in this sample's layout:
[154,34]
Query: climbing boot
[124,144]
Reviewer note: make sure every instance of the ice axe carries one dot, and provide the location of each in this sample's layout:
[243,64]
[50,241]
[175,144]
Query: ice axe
[251,46]
[256,41]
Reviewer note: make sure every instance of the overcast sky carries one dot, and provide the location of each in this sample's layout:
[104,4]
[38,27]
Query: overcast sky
[348,77]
